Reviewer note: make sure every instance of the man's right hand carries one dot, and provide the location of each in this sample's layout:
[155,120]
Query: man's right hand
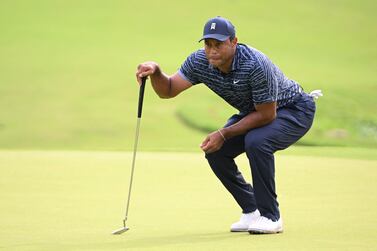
[164,85]
[146,69]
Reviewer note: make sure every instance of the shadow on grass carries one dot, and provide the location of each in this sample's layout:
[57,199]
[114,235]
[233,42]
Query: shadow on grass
[191,124]
[153,241]
[208,129]
[140,242]
[181,240]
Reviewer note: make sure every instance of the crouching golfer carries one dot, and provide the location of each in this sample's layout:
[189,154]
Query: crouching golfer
[274,112]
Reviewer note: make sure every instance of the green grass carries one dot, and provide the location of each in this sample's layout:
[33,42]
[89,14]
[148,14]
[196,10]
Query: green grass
[67,69]
[66,200]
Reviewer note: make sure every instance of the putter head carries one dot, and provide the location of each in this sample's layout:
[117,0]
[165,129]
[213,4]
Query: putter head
[121,230]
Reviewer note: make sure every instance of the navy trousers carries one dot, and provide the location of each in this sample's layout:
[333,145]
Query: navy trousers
[260,144]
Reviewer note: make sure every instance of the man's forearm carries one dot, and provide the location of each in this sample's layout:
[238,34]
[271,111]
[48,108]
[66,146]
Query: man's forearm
[161,83]
[250,121]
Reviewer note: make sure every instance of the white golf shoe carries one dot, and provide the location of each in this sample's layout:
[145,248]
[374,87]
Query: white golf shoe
[243,224]
[263,225]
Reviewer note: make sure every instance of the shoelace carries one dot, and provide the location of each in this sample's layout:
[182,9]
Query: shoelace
[316,94]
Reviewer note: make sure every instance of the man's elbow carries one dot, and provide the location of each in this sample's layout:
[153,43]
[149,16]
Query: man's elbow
[166,96]
[163,96]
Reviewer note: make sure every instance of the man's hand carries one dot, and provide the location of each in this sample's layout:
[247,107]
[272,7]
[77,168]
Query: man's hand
[164,85]
[212,143]
[146,69]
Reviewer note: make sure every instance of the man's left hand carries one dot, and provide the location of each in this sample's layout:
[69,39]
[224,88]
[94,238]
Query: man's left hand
[212,143]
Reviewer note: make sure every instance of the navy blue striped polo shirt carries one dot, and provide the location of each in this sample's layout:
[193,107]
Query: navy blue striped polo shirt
[253,79]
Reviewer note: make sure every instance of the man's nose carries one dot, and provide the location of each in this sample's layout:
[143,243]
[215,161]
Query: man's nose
[213,50]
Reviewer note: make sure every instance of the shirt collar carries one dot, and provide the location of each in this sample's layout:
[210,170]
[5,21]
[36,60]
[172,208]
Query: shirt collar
[236,58]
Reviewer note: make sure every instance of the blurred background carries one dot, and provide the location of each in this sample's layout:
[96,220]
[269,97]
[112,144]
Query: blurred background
[67,69]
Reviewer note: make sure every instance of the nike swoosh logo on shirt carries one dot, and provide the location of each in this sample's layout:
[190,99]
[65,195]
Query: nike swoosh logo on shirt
[236,81]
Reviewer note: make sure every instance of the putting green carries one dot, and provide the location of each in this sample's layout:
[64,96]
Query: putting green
[55,200]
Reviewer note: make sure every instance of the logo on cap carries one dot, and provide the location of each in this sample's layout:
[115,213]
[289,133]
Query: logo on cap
[218,28]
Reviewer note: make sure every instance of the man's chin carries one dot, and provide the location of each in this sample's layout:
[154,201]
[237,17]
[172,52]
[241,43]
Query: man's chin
[215,63]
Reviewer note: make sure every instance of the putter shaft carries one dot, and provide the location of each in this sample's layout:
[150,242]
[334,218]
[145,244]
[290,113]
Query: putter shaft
[139,112]
[125,228]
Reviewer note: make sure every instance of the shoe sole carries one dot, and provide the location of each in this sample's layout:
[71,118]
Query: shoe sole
[261,231]
[238,230]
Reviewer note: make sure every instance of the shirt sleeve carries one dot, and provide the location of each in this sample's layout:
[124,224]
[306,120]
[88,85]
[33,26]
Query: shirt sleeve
[264,82]
[187,70]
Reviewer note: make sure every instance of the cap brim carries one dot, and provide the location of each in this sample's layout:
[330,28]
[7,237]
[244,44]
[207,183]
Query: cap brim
[215,36]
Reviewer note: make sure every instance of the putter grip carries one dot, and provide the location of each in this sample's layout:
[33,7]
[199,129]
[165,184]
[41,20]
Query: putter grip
[141,97]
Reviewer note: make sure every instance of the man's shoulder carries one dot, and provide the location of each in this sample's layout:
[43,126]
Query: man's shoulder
[198,55]
[247,60]
[245,50]
[195,66]
[256,58]
[250,50]
[198,61]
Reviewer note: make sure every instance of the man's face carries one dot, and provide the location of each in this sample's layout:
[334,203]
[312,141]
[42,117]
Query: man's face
[220,54]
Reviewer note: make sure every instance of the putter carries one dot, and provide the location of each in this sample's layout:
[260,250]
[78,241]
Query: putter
[139,110]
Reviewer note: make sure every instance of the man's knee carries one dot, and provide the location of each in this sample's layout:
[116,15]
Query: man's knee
[214,156]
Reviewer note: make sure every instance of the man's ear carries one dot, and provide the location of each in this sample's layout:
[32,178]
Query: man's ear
[234,41]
